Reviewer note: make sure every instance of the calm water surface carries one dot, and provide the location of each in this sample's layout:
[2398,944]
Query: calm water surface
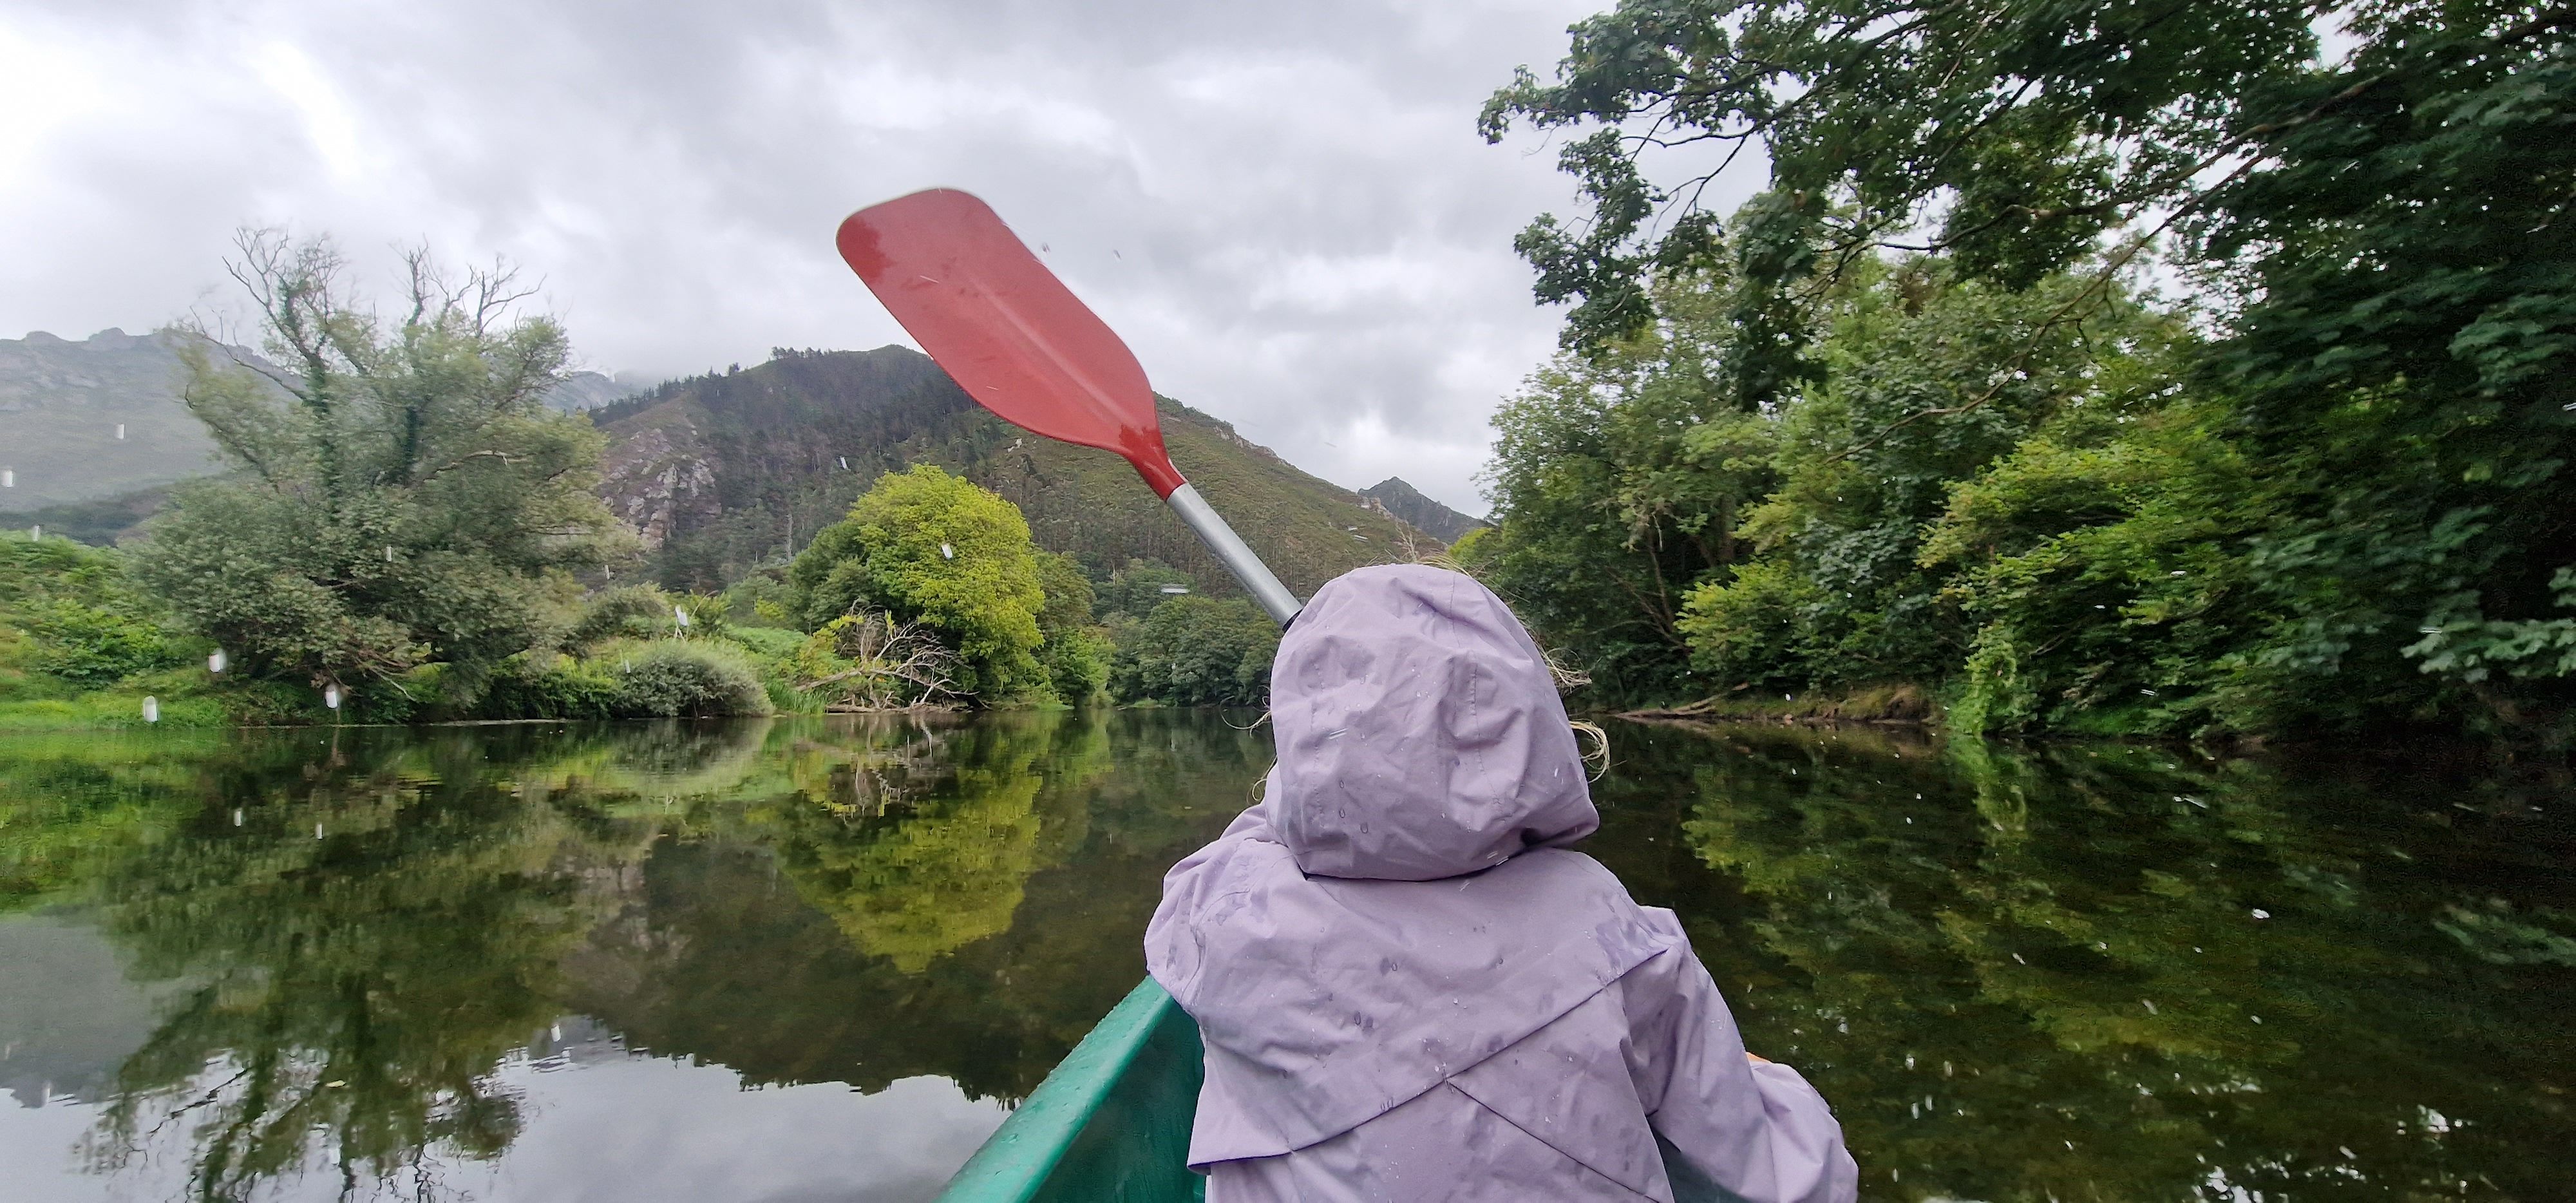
[817,959]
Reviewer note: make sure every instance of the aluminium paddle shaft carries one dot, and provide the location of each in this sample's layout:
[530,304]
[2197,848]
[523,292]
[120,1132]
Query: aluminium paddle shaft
[1231,550]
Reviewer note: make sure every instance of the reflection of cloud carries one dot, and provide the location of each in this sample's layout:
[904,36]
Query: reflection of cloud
[630,1128]
[67,1014]
[656,1129]
[1284,207]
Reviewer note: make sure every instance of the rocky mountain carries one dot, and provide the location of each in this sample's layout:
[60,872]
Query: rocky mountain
[591,390]
[725,472]
[100,417]
[94,418]
[1407,504]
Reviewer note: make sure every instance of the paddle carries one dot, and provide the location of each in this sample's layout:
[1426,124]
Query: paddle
[1019,342]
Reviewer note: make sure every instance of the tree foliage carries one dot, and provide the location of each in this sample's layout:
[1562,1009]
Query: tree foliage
[932,548]
[2322,489]
[401,493]
[70,614]
[1196,651]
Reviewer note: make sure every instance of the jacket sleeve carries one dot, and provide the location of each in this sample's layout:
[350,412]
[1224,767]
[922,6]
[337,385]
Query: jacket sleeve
[1728,1129]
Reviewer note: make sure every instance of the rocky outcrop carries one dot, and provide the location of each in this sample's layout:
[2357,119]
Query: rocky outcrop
[659,479]
[1401,501]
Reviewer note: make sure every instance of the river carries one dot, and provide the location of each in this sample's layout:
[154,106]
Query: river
[817,959]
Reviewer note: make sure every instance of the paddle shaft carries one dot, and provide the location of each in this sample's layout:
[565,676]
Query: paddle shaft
[1234,553]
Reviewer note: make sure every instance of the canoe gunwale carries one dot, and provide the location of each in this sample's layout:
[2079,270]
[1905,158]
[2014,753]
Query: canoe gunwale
[1110,1122]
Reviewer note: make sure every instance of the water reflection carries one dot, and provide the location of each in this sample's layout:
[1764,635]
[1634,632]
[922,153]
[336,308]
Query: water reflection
[813,959]
[2120,973]
[352,935]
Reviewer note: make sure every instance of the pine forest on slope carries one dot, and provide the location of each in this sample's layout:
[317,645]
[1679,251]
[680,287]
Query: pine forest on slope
[726,472]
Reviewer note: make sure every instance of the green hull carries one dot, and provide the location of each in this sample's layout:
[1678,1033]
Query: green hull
[1111,1123]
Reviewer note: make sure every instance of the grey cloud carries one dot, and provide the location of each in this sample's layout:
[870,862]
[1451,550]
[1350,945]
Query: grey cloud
[1283,207]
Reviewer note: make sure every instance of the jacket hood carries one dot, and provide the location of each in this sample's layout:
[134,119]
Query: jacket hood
[1419,732]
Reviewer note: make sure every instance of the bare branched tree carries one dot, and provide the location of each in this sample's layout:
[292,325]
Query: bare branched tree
[890,665]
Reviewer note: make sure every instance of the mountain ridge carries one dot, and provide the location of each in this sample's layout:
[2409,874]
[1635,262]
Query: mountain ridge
[1407,504]
[727,471]
[63,403]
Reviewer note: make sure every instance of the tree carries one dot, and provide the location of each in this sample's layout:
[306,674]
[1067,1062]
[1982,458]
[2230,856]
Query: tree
[1843,595]
[401,492]
[1139,587]
[2017,134]
[1076,651]
[1619,481]
[1197,651]
[2344,507]
[934,549]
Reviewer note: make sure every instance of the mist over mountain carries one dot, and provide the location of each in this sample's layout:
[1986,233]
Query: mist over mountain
[94,418]
[100,417]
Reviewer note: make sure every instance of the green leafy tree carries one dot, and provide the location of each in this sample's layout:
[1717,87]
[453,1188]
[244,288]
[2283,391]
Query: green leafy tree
[1620,480]
[932,548]
[1139,587]
[1196,651]
[401,495]
[2343,507]
[1076,652]
[2018,134]
[1844,596]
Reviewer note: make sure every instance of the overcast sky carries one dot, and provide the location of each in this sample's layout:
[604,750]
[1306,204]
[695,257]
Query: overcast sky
[1283,207]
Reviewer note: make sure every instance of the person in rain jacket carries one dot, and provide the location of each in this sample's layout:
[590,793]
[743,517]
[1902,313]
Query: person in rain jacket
[1409,989]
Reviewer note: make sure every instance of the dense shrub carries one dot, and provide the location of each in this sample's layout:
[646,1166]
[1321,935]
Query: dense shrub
[1196,651]
[556,687]
[685,679]
[1137,588]
[626,612]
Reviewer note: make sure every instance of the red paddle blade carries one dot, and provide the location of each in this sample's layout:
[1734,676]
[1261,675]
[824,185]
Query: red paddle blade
[1007,331]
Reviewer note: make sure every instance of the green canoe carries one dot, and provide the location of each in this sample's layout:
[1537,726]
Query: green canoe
[1111,1123]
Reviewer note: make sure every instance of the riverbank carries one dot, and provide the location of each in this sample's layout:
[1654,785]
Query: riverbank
[1903,704]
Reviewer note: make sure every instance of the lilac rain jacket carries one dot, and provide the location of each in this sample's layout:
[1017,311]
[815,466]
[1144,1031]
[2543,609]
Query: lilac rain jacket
[1410,990]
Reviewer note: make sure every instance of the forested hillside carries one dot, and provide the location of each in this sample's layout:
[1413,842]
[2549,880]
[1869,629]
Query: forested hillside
[1918,419]
[726,472]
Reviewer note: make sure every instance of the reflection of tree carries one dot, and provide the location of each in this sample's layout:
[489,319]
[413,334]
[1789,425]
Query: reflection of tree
[716,958]
[2044,978]
[68,802]
[926,870]
[854,900]
[345,997]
